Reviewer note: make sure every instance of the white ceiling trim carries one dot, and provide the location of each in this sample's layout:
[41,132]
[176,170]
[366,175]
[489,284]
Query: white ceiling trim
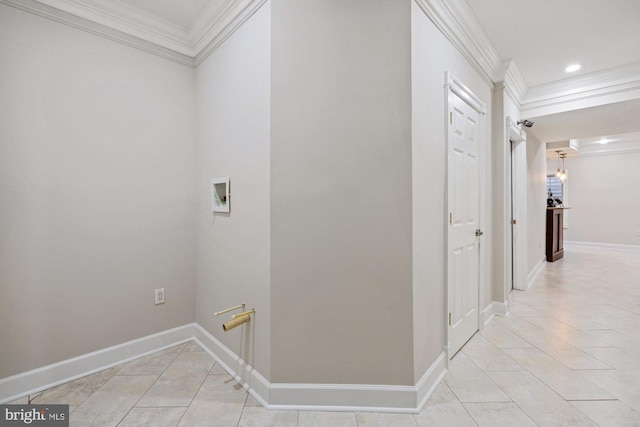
[512,80]
[213,27]
[623,74]
[122,17]
[119,22]
[603,87]
[460,27]
[110,24]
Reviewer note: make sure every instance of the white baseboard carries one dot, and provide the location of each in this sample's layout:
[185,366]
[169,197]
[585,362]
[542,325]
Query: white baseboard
[36,380]
[324,397]
[357,397]
[494,308]
[533,274]
[431,380]
[279,396]
[343,397]
[608,246]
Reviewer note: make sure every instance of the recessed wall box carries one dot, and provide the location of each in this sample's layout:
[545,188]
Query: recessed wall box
[220,194]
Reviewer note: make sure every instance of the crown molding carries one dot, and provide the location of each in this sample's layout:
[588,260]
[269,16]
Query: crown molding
[119,22]
[212,27]
[598,88]
[126,19]
[138,31]
[628,73]
[458,24]
[510,77]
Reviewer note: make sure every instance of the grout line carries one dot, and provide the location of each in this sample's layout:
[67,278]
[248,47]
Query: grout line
[592,400]
[244,406]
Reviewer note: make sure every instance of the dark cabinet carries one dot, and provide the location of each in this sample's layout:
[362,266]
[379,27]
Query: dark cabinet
[555,220]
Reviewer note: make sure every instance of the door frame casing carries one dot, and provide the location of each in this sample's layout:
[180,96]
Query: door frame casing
[453,86]
[517,252]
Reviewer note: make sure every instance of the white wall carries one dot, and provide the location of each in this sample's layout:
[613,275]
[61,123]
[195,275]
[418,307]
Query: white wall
[603,198]
[536,200]
[96,173]
[233,139]
[432,55]
[341,192]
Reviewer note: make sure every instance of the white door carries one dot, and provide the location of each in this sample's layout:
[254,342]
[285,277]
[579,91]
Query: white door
[464,210]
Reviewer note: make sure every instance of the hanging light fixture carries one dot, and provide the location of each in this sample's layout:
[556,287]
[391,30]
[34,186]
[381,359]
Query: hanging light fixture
[561,174]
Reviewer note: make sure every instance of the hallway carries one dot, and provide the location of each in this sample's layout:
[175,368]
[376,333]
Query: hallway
[569,355]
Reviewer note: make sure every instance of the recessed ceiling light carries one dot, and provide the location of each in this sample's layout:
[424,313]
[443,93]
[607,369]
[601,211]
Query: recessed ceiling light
[604,141]
[572,68]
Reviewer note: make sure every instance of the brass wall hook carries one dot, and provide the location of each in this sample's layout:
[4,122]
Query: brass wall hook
[235,307]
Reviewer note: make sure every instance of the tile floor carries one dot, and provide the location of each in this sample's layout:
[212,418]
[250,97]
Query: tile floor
[569,355]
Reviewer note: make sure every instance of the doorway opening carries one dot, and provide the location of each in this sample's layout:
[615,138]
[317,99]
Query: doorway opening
[518,208]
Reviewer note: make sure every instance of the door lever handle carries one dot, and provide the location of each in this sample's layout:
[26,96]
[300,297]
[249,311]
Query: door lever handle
[479,232]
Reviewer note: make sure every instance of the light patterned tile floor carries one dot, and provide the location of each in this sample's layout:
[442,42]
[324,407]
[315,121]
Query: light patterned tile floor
[568,355]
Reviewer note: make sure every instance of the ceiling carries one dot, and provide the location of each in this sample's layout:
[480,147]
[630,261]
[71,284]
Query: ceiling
[544,37]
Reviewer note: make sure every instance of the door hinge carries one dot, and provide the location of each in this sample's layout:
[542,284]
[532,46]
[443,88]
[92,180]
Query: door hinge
[513,222]
[450,218]
[479,232]
[450,118]
[450,319]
